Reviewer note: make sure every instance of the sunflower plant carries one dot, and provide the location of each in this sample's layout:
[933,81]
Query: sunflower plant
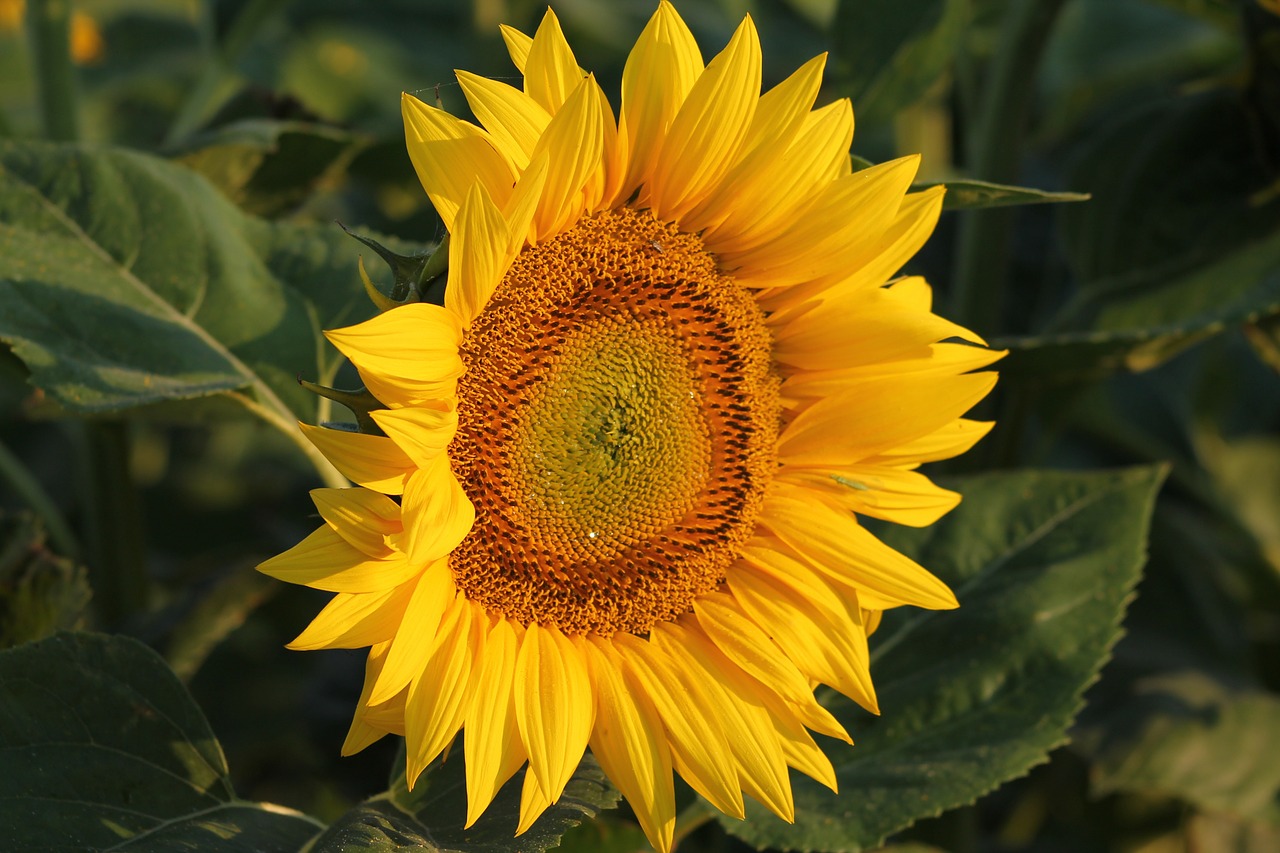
[655,496]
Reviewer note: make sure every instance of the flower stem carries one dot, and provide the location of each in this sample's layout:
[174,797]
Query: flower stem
[117,556]
[49,29]
[982,259]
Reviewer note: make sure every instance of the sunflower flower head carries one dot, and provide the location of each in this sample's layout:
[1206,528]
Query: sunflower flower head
[612,496]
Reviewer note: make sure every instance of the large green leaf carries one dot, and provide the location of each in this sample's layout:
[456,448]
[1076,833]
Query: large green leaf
[104,750]
[1043,564]
[430,817]
[887,53]
[129,281]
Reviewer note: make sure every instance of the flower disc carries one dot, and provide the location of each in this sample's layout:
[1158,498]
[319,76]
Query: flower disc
[616,429]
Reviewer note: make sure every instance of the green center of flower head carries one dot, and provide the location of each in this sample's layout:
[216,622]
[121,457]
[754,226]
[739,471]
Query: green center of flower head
[617,425]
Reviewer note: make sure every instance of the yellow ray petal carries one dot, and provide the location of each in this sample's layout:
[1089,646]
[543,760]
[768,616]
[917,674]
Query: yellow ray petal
[706,134]
[422,432]
[518,45]
[840,230]
[573,144]
[450,155]
[523,206]
[354,620]
[766,202]
[373,461]
[762,768]
[361,734]
[779,116]
[700,750]
[554,706]
[803,754]
[438,695]
[416,341]
[492,746]
[807,618]
[416,637]
[630,743]
[873,415]
[363,517]
[833,542]
[325,560]
[477,255]
[951,440]
[742,641]
[550,72]
[513,119]
[660,71]
[903,497]
[532,802]
[436,511]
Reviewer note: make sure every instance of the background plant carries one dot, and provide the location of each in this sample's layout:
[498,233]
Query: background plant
[170,174]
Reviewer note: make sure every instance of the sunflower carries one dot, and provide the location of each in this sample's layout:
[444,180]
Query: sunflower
[671,368]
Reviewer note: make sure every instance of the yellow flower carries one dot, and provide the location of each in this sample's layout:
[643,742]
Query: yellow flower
[670,367]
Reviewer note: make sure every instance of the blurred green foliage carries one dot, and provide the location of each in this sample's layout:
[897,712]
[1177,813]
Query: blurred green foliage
[1142,326]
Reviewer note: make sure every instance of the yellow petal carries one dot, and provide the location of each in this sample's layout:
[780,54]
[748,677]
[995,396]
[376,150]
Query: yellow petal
[363,517]
[700,750]
[373,461]
[554,706]
[355,620]
[492,746]
[416,341]
[416,636]
[550,71]
[422,432]
[805,617]
[630,743]
[518,45]
[705,136]
[778,117]
[573,144]
[876,414]
[764,203]
[325,560]
[361,734]
[532,802]
[436,511]
[477,255]
[803,754]
[438,696]
[833,542]
[951,440]
[513,119]
[903,497]
[660,71]
[523,206]
[742,641]
[762,768]
[450,155]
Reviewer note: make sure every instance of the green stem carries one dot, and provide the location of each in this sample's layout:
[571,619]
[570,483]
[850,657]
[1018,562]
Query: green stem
[985,236]
[13,472]
[49,29]
[117,560]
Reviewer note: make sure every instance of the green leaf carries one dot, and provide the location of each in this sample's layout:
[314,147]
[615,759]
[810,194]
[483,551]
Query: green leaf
[430,817]
[269,167]
[40,592]
[1137,321]
[1044,564]
[105,750]
[973,195]
[1186,735]
[888,53]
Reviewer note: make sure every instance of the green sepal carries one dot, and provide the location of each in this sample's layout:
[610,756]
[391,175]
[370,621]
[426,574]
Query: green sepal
[360,402]
[412,272]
